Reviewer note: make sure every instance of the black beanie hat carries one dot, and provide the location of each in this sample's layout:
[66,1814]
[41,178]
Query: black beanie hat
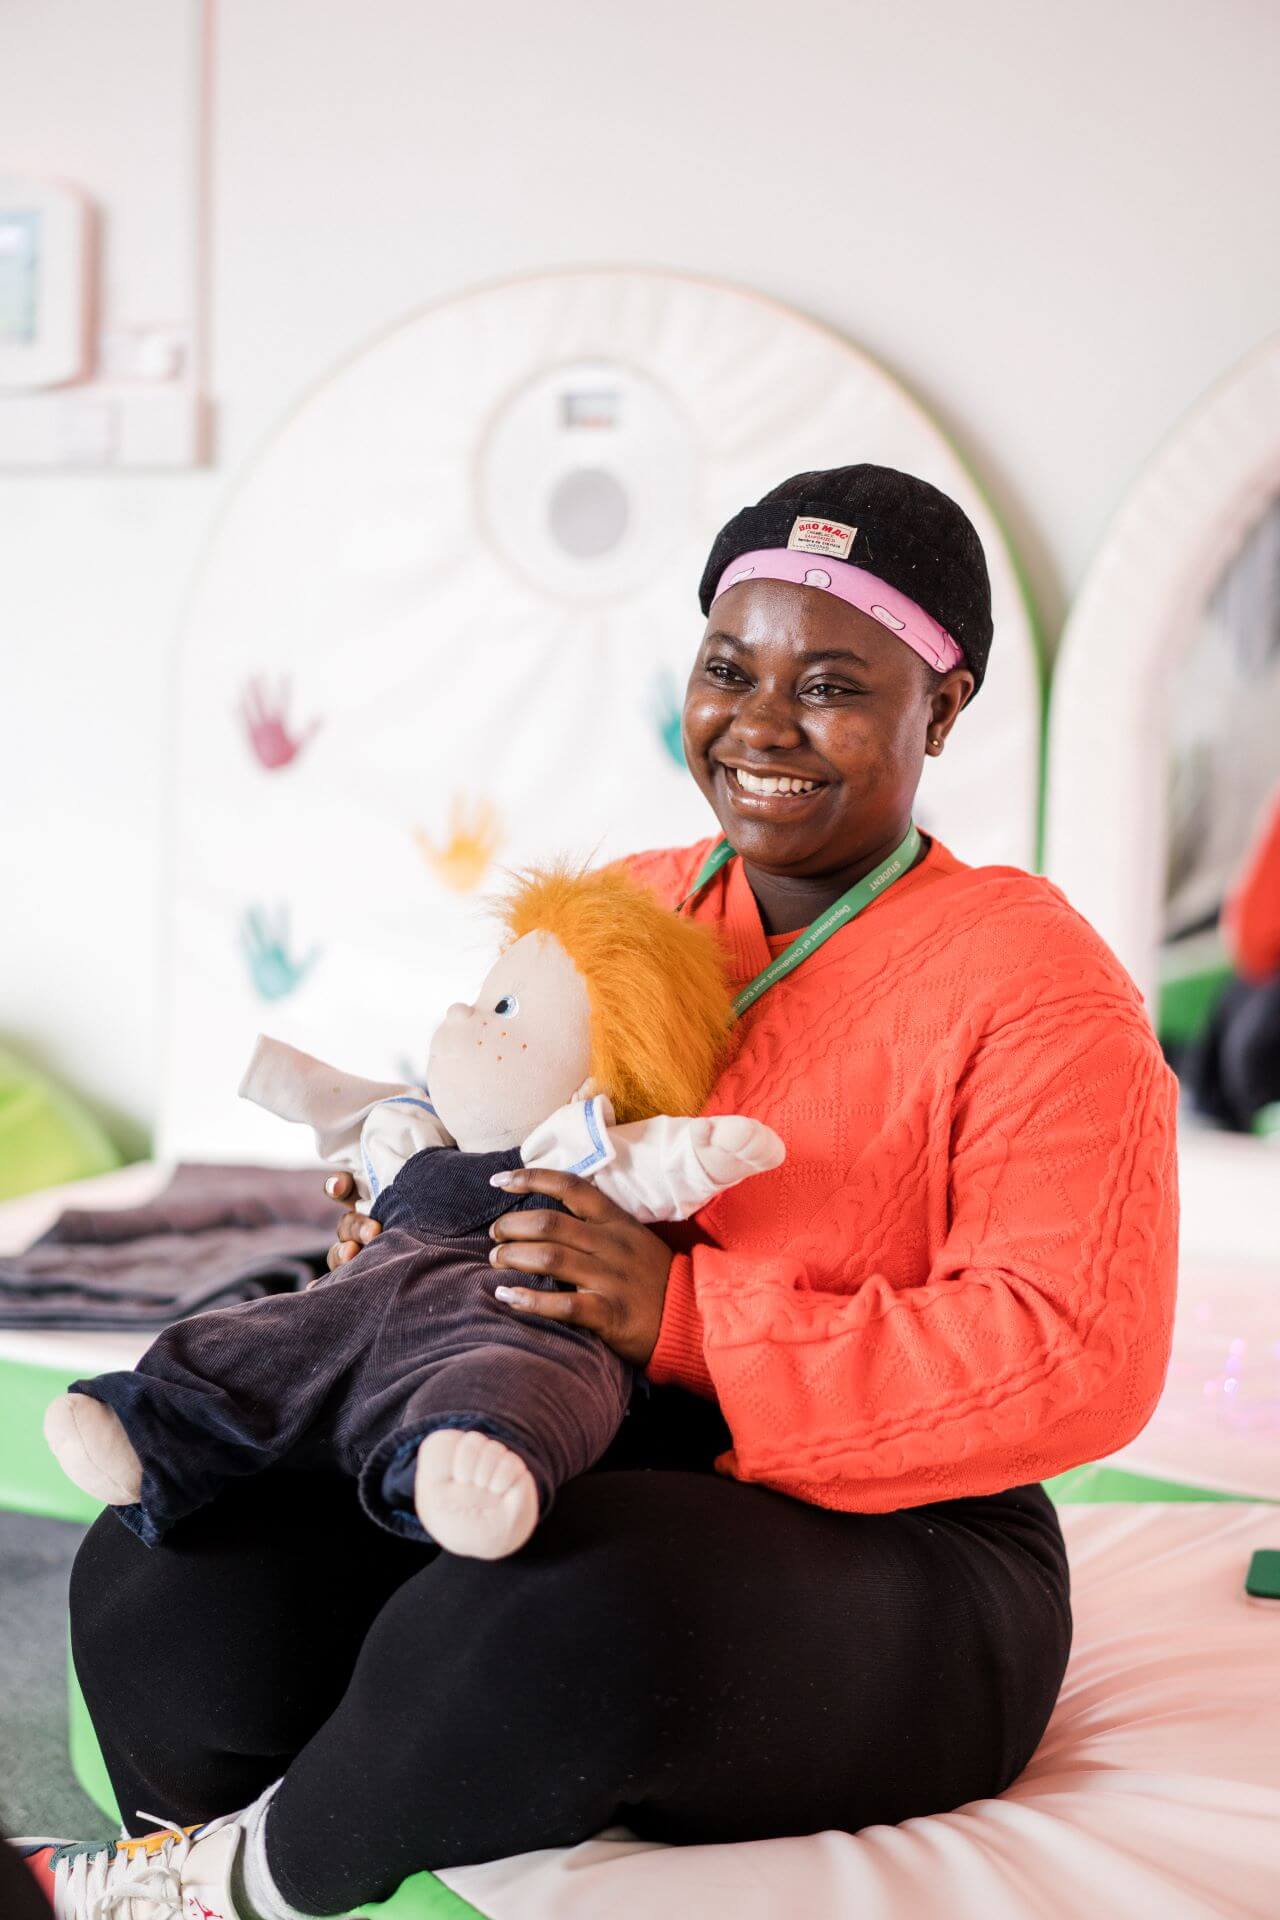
[907,532]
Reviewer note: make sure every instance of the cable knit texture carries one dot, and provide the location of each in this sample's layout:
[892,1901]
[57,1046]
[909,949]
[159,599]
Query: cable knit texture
[962,1278]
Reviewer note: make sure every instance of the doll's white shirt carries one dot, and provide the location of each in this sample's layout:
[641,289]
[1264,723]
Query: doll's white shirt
[370,1128]
[650,1168]
[367,1127]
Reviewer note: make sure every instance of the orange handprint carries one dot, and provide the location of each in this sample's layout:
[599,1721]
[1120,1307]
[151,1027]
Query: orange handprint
[464,858]
[266,725]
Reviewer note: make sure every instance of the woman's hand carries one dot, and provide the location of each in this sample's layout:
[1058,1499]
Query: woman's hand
[618,1268]
[355,1230]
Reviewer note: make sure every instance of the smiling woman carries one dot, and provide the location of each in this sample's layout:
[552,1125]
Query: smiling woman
[806,725]
[809,713]
[843,1598]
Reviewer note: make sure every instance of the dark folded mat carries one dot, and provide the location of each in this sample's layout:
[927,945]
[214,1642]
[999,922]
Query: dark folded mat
[215,1235]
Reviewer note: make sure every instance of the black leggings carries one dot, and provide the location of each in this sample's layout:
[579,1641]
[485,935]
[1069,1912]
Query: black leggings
[696,1659]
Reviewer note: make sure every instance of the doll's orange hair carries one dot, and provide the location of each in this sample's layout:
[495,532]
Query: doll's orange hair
[661,1010]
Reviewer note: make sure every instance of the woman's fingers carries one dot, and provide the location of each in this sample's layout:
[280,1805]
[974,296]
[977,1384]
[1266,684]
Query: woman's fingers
[580,1196]
[358,1227]
[618,1269]
[353,1225]
[355,1230]
[555,1258]
[579,1309]
[533,1224]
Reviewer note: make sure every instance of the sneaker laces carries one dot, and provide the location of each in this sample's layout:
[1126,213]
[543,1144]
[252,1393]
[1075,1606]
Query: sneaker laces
[92,1880]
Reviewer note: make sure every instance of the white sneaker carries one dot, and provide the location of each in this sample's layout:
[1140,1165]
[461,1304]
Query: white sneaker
[176,1873]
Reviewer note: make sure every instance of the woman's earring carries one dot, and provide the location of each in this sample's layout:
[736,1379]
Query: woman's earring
[936,744]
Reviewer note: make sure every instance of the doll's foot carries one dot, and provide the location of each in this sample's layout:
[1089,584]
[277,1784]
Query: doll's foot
[92,1448]
[473,1495]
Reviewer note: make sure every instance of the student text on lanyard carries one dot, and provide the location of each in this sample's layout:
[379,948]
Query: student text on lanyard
[850,904]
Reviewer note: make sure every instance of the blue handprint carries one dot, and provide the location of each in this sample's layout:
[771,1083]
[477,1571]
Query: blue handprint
[266,949]
[664,709]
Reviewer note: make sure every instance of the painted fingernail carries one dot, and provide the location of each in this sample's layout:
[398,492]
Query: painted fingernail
[501,1179]
[330,1186]
[505,1293]
[493,1255]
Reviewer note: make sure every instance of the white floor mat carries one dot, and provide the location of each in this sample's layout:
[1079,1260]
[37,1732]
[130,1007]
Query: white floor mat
[1155,1791]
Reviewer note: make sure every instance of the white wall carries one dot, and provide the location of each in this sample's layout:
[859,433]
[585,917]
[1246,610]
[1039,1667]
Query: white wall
[1053,223]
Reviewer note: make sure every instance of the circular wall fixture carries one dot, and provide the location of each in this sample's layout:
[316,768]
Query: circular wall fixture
[588,511]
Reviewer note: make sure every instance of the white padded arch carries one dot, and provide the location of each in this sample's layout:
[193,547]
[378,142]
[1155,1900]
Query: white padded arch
[472,553]
[1135,617]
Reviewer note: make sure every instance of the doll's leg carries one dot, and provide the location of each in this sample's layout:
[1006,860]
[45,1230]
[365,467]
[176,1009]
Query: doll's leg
[490,1434]
[215,1397]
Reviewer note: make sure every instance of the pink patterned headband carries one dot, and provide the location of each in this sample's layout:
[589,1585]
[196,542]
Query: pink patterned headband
[918,629]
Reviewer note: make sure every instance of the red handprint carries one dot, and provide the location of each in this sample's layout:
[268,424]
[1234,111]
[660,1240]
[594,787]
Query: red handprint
[267,727]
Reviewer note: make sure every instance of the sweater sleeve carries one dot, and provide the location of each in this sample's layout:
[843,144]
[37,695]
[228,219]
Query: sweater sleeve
[1038,1339]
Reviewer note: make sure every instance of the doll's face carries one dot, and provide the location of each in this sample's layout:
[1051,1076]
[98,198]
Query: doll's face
[498,1068]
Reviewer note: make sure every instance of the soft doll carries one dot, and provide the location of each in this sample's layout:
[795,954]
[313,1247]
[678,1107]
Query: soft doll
[604,1019]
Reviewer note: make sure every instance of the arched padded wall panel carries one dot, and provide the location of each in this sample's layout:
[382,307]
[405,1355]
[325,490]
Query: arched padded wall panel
[444,626]
[1106,817]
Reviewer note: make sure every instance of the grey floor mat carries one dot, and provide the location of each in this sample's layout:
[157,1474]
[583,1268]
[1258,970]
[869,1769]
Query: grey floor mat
[38,1791]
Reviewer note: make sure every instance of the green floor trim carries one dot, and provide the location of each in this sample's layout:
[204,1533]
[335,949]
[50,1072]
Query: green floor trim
[31,1481]
[422,1898]
[86,1755]
[1099,1482]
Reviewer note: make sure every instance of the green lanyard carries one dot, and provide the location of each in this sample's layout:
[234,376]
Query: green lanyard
[869,888]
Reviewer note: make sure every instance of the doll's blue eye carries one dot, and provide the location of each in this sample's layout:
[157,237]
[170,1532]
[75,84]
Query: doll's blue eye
[508,1004]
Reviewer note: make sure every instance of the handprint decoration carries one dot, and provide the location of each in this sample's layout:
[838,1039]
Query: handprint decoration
[267,727]
[265,941]
[664,709]
[463,860]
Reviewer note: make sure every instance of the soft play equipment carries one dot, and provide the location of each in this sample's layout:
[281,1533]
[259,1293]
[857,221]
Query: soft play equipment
[1223,763]
[47,1136]
[1199,527]
[444,626]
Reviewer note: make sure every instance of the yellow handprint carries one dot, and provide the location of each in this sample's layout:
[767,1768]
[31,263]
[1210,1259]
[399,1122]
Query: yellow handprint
[463,860]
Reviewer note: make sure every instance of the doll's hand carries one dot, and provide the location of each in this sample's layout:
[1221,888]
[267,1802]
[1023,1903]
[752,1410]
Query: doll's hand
[355,1230]
[617,1267]
[729,1147]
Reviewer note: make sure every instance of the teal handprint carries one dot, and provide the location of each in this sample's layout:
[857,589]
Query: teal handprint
[266,949]
[664,710]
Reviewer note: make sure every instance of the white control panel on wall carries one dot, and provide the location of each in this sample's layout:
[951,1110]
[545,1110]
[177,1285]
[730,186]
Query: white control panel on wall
[68,398]
[44,285]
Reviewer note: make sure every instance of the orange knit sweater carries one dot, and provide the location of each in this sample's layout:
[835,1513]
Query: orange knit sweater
[962,1278]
